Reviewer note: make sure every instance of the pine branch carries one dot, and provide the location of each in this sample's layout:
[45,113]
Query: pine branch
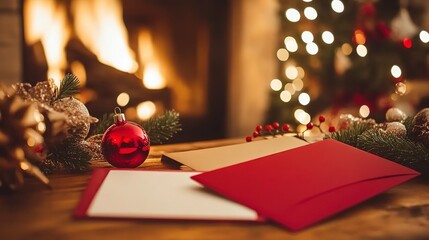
[162,128]
[102,125]
[68,156]
[401,150]
[68,87]
[350,135]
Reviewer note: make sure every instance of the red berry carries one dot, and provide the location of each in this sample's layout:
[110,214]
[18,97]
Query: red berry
[285,127]
[248,139]
[276,125]
[258,128]
[310,125]
[255,134]
[321,118]
[268,127]
[331,129]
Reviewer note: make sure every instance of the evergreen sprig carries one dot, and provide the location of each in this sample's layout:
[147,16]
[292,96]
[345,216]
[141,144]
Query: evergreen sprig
[68,156]
[395,148]
[400,149]
[350,135]
[163,127]
[68,87]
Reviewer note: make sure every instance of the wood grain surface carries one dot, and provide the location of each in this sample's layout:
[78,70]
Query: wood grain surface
[34,212]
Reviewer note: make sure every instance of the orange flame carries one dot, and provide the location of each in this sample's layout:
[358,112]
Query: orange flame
[100,27]
[152,77]
[46,22]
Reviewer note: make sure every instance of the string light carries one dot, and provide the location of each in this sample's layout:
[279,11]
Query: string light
[276,84]
[359,37]
[289,88]
[291,72]
[307,37]
[304,98]
[424,36]
[361,50]
[285,96]
[123,99]
[282,54]
[396,71]
[310,13]
[337,6]
[291,44]
[301,116]
[364,111]
[301,72]
[328,37]
[312,48]
[298,84]
[292,15]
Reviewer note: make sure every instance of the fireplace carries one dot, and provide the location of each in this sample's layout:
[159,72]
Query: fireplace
[145,56]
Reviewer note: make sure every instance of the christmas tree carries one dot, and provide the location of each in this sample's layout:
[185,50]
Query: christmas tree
[346,54]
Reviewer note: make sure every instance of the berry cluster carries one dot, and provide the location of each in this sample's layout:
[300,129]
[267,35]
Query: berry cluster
[311,125]
[269,130]
[275,129]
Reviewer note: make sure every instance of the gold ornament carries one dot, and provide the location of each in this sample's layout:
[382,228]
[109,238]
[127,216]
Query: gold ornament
[421,126]
[395,115]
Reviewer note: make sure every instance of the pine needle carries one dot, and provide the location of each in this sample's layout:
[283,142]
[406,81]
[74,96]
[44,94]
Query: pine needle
[163,127]
[102,125]
[68,87]
[350,135]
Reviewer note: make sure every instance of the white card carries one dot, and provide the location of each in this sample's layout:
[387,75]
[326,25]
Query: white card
[162,195]
[213,158]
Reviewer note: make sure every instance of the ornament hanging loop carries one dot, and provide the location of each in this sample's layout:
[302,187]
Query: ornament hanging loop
[118,117]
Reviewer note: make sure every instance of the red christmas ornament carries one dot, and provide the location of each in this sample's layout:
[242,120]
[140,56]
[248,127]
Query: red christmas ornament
[125,144]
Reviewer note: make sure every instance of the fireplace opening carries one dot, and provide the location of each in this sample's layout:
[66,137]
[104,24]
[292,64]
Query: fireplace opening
[145,56]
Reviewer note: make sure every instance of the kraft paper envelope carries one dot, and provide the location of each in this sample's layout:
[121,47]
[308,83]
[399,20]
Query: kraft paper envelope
[149,194]
[218,157]
[301,186]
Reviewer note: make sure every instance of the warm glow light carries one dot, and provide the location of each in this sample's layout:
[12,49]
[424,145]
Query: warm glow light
[312,48]
[152,78]
[310,13]
[292,15]
[301,72]
[396,71]
[123,99]
[276,84]
[360,37]
[424,36]
[291,44]
[364,111]
[46,22]
[285,96]
[328,37]
[101,29]
[291,72]
[145,110]
[298,84]
[307,0]
[307,36]
[301,116]
[346,49]
[289,87]
[337,6]
[361,50]
[304,98]
[282,54]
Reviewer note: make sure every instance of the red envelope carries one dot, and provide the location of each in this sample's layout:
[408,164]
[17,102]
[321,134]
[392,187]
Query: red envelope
[302,186]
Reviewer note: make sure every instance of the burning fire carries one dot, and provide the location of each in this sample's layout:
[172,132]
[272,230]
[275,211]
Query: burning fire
[152,77]
[100,27]
[46,22]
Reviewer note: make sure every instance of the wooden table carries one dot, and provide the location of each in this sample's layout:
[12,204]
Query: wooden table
[37,213]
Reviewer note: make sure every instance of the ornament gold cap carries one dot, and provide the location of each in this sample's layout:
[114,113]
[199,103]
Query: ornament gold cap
[118,116]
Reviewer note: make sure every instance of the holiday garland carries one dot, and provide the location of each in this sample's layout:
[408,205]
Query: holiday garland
[44,129]
[401,139]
